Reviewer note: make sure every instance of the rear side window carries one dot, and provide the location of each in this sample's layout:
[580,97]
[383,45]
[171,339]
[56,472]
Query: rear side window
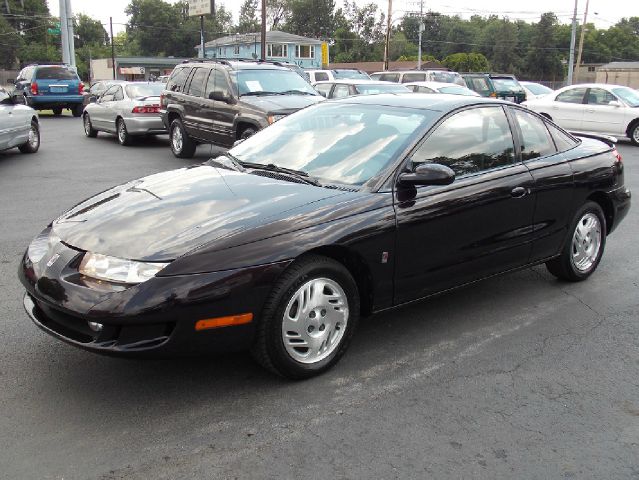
[55,73]
[563,141]
[323,88]
[421,89]
[321,76]
[341,91]
[413,77]
[574,95]
[470,142]
[389,77]
[535,139]
[176,81]
[480,85]
[196,88]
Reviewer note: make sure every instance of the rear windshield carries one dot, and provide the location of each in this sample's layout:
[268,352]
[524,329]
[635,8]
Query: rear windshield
[506,84]
[55,73]
[447,77]
[538,89]
[458,90]
[371,89]
[144,90]
[350,74]
[628,95]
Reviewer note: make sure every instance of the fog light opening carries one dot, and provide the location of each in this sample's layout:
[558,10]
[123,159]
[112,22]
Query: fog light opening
[95,326]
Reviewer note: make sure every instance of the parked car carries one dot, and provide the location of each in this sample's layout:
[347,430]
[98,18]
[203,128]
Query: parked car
[494,85]
[410,76]
[336,74]
[19,124]
[222,101]
[535,90]
[346,88]
[51,87]
[96,89]
[295,68]
[342,209]
[593,107]
[439,87]
[126,109]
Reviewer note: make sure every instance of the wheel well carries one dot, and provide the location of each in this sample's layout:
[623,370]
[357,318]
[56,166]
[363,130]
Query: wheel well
[172,116]
[35,119]
[357,268]
[605,203]
[241,126]
[631,125]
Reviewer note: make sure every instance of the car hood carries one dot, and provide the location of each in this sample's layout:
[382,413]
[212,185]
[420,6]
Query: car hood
[164,216]
[276,103]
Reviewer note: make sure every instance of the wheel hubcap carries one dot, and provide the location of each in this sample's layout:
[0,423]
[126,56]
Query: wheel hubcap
[586,242]
[33,137]
[87,125]
[635,134]
[315,320]
[122,131]
[176,139]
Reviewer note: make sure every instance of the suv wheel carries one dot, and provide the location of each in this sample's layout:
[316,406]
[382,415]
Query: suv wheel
[181,144]
[77,110]
[57,111]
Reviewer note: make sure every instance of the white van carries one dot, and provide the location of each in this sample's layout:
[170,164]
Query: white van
[336,74]
[409,76]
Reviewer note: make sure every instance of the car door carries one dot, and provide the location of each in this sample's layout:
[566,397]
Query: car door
[218,116]
[478,225]
[567,109]
[600,116]
[194,104]
[6,116]
[112,108]
[99,110]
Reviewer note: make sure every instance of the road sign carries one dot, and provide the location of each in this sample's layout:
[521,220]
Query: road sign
[53,31]
[201,7]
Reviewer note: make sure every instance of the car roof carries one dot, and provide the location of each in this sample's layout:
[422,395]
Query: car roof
[596,85]
[416,71]
[356,81]
[436,84]
[236,64]
[442,102]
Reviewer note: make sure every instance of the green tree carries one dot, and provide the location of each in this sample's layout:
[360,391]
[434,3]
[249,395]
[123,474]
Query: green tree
[89,31]
[467,62]
[311,18]
[543,60]
[503,55]
[10,44]
[248,21]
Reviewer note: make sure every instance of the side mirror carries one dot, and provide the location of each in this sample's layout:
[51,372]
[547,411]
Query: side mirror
[220,97]
[428,174]
[11,81]
[614,103]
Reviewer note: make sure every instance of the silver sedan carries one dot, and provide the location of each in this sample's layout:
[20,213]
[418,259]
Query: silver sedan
[126,109]
[19,124]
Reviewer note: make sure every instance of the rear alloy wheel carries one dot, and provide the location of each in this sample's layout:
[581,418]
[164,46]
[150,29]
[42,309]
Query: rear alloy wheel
[89,131]
[584,248]
[248,132]
[634,134]
[33,143]
[124,138]
[57,111]
[77,110]
[181,144]
[309,318]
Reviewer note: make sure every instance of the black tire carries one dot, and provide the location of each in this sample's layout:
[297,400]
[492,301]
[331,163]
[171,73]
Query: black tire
[124,137]
[269,349]
[89,131]
[634,134]
[57,111]
[563,266]
[184,148]
[77,110]
[248,132]
[33,144]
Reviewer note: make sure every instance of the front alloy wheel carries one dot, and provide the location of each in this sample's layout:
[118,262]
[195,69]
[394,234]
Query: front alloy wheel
[309,318]
[181,145]
[89,131]
[33,143]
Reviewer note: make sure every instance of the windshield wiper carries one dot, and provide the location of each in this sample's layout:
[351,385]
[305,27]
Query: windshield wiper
[297,92]
[228,161]
[271,167]
[260,93]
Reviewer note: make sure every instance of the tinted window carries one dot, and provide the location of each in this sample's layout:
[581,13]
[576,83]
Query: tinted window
[390,77]
[479,85]
[217,83]
[446,77]
[376,76]
[321,76]
[563,141]
[506,84]
[413,77]
[176,81]
[536,141]
[574,95]
[471,141]
[341,91]
[355,74]
[599,96]
[55,73]
[196,87]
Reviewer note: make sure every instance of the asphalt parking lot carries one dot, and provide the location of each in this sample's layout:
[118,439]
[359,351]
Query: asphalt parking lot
[519,376]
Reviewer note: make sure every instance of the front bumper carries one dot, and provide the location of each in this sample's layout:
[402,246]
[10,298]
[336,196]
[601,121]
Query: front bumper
[145,125]
[154,318]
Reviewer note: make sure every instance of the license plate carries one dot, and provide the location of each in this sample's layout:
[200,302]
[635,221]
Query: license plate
[58,89]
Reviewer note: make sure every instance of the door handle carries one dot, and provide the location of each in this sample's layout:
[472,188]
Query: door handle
[518,192]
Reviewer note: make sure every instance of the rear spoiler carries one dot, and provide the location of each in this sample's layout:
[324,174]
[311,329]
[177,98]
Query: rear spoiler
[608,139]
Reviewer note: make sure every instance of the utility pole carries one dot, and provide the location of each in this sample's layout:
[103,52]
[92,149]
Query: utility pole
[571,57]
[112,47]
[202,55]
[71,35]
[421,29]
[388,30]
[263,40]
[64,33]
[581,41]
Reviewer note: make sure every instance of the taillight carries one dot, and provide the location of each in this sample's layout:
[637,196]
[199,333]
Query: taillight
[80,87]
[146,109]
[617,155]
[34,88]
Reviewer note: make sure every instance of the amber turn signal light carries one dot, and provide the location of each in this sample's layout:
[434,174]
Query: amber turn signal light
[218,322]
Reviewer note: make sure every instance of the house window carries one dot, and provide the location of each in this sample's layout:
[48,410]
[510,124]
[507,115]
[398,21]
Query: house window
[591,69]
[305,51]
[277,50]
[236,50]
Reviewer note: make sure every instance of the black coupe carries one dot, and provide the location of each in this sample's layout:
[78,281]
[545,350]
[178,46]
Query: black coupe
[338,211]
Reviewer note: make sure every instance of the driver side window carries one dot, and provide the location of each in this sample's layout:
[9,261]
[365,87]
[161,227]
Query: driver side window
[109,94]
[469,142]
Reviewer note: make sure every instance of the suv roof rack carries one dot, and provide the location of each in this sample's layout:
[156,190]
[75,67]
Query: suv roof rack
[227,61]
[36,64]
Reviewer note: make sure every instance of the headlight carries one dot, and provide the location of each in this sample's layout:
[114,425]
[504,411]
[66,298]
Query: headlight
[275,117]
[41,244]
[120,270]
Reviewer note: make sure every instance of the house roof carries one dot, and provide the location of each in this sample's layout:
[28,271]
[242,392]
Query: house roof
[621,66]
[274,36]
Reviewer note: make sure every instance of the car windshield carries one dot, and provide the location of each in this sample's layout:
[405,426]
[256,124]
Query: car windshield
[144,90]
[628,95]
[538,89]
[354,74]
[506,84]
[447,77]
[367,89]
[55,73]
[271,81]
[338,143]
[457,90]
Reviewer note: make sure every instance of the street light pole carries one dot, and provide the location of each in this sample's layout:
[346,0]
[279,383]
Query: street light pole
[581,41]
[421,29]
[263,40]
[573,34]
[388,30]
